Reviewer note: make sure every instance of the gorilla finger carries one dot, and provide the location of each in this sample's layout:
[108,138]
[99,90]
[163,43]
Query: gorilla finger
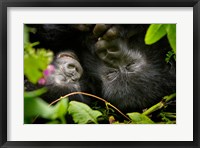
[111,34]
[83,27]
[100,29]
[101,45]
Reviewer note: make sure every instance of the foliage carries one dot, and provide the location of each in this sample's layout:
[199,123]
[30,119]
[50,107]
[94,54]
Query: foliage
[82,113]
[35,61]
[36,107]
[156,31]
[138,118]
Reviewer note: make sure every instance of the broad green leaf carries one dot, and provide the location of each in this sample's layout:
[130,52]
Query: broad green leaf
[82,113]
[60,109]
[36,106]
[35,93]
[171,35]
[32,69]
[138,118]
[154,33]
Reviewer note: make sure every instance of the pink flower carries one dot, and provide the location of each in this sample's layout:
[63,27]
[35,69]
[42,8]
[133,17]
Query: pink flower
[42,81]
[50,69]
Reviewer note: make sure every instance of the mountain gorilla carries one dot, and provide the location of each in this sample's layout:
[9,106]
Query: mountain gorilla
[111,61]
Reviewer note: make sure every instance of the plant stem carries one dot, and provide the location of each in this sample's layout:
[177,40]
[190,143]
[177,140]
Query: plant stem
[62,119]
[160,104]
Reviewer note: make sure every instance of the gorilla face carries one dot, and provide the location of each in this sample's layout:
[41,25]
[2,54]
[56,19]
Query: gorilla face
[68,70]
[67,75]
[133,75]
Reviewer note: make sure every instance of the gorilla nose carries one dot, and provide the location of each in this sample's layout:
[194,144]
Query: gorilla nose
[72,69]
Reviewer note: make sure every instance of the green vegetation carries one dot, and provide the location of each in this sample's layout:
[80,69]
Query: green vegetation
[156,31]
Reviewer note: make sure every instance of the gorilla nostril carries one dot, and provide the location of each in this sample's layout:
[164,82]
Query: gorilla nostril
[71,66]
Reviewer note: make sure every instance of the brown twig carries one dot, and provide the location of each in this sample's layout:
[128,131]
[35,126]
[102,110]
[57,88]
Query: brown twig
[87,94]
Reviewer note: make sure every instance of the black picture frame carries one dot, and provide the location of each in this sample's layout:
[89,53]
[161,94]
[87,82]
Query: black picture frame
[4,4]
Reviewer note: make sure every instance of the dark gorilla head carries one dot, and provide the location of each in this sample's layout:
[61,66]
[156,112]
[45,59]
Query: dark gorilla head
[133,75]
[66,78]
[67,73]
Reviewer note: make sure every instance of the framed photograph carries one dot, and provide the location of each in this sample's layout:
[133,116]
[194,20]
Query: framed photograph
[110,73]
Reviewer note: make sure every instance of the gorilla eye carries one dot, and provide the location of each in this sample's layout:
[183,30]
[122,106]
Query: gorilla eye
[128,66]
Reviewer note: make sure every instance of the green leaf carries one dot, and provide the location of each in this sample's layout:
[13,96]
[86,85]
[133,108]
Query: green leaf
[82,113]
[26,34]
[35,93]
[138,118]
[169,55]
[154,33]
[28,48]
[35,62]
[32,69]
[171,35]
[53,122]
[60,109]
[36,106]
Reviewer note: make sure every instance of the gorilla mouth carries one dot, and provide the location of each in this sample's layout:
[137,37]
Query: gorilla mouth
[72,77]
